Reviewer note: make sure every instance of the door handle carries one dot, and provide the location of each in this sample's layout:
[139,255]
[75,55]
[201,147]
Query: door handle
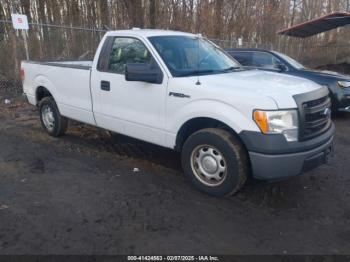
[105,86]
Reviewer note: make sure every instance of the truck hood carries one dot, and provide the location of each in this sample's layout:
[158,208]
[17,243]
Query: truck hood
[279,87]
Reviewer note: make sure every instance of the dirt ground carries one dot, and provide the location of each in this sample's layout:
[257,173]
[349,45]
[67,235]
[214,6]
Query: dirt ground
[79,194]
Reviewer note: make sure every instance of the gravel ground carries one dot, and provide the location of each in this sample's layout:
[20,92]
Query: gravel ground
[80,194]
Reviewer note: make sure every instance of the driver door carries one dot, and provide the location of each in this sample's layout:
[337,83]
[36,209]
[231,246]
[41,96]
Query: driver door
[132,108]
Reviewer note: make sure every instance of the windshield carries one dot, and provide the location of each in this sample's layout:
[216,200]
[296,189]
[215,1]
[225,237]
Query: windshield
[186,56]
[291,61]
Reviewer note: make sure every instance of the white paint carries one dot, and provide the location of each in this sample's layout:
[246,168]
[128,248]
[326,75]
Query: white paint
[146,111]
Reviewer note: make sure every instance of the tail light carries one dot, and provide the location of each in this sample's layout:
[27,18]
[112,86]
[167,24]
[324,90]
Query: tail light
[22,74]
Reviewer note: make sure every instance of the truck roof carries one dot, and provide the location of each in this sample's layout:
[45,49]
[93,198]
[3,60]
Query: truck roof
[147,32]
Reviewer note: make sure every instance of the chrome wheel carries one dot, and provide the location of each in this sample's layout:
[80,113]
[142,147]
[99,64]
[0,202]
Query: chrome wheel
[208,165]
[48,117]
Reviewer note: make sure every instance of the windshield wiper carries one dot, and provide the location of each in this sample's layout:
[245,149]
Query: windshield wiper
[197,72]
[232,68]
[209,71]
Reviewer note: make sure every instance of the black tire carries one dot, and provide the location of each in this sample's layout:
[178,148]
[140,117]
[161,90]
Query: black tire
[59,124]
[235,158]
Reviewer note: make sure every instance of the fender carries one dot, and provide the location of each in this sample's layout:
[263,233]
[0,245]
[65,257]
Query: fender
[41,80]
[214,109]
[65,106]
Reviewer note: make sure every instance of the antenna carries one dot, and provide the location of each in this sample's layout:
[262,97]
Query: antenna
[198,38]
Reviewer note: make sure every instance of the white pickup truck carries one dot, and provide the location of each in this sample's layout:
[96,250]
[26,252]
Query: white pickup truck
[180,91]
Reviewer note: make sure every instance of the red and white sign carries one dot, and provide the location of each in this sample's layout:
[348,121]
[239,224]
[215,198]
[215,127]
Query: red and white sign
[19,21]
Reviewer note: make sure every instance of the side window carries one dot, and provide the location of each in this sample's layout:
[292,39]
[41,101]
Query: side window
[127,50]
[264,60]
[244,58]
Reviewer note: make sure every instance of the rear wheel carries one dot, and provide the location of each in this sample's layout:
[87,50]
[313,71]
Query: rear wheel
[215,162]
[51,119]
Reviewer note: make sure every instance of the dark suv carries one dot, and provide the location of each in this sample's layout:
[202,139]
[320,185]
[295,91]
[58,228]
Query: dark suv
[338,84]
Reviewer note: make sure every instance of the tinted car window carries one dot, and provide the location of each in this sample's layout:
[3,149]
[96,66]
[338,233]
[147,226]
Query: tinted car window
[127,50]
[290,60]
[264,60]
[244,58]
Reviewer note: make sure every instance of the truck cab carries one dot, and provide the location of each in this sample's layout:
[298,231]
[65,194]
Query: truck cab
[181,91]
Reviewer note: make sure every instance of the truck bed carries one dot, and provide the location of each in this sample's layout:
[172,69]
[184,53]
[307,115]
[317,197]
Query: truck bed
[79,64]
[68,82]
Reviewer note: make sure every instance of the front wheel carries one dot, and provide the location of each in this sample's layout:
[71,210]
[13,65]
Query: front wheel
[215,162]
[51,119]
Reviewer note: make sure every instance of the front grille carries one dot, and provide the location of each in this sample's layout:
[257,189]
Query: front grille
[316,102]
[316,117]
[314,113]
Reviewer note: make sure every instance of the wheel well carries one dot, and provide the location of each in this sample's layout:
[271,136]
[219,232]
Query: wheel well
[42,92]
[196,124]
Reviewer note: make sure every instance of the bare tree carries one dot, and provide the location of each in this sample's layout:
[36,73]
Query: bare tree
[152,13]
[218,19]
[135,12]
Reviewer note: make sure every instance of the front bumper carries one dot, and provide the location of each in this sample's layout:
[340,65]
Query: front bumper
[345,109]
[272,157]
[270,167]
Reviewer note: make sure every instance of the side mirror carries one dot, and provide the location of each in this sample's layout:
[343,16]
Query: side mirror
[281,67]
[143,73]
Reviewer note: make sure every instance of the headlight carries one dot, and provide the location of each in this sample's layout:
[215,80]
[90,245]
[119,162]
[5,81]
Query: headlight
[344,84]
[278,122]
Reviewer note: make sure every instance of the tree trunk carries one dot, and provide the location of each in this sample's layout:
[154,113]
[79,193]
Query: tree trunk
[218,19]
[103,13]
[293,12]
[135,12]
[25,4]
[152,13]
